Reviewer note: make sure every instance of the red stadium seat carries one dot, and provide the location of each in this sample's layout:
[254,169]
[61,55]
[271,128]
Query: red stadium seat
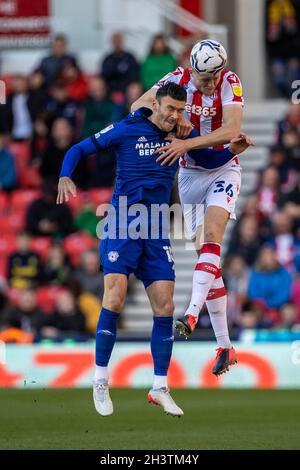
[12,223]
[76,203]
[29,177]
[46,297]
[41,245]
[3,266]
[100,196]
[3,202]
[76,244]
[7,244]
[22,198]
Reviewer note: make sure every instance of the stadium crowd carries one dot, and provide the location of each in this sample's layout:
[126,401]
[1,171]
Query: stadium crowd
[50,283]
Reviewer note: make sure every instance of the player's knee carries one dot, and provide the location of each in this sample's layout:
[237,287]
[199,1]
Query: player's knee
[165,308]
[113,300]
[210,236]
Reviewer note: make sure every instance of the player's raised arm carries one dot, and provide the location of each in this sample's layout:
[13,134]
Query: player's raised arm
[108,137]
[146,100]
[66,186]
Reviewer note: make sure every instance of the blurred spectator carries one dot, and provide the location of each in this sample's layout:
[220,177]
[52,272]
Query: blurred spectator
[283,41]
[24,265]
[37,94]
[287,175]
[52,65]
[61,139]
[67,321]
[269,282]
[158,63]
[75,82]
[254,317]
[236,275]
[57,270]
[120,67]
[8,176]
[89,304]
[290,202]
[291,121]
[288,317]
[87,220]
[268,191]
[133,92]
[245,241]
[99,109]
[251,209]
[26,315]
[18,114]
[89,275]
[288,135]
[283,240]
[45,217]
[60,105]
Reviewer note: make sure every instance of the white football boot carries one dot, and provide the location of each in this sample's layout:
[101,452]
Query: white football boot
[162,397]
[102,400]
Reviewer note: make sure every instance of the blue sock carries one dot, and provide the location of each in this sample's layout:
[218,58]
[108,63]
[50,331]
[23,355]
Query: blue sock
[162,344]
[105,336]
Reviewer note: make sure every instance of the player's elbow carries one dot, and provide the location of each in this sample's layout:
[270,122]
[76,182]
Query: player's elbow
[135,105]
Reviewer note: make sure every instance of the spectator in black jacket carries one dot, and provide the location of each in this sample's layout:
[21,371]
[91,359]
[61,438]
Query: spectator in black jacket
[66,321]
[52,65]
[60,105]
[61,139]
[45,218]
[26,315]
[120,68]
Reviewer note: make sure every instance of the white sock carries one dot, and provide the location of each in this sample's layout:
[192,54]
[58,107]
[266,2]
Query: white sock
[204,275]
[160,381]
[216,305]
[101,373]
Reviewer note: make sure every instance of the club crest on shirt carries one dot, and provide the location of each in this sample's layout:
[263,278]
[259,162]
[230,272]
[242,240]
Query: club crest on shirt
[113,256]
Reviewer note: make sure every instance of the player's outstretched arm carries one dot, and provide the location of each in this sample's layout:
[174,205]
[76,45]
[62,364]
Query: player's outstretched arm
[232,115]
[66,186]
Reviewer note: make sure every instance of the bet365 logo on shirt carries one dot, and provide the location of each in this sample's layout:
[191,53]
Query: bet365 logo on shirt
[205,111]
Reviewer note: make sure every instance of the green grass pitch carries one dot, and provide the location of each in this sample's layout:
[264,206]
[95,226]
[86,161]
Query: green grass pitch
[214,419]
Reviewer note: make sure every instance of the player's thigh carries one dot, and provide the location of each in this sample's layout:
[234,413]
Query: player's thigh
[215,222]
[160,294]
[221,201]
[115,290]
[192,187]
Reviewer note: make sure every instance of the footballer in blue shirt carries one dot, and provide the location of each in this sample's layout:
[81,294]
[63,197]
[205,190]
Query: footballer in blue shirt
[140,179]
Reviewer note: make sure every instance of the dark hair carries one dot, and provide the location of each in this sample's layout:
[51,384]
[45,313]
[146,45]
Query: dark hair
[173,90]
[60,37]
[159,37]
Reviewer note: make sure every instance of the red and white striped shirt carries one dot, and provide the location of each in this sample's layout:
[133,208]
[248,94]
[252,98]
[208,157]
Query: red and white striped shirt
[206,112]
